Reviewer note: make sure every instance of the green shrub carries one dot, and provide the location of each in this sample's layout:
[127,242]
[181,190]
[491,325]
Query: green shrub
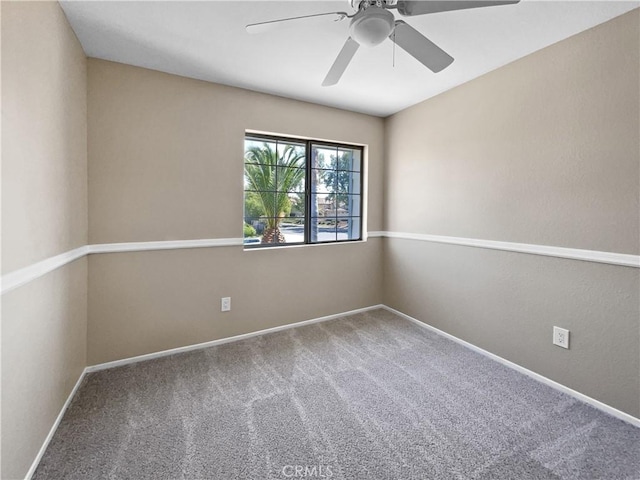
[249,231]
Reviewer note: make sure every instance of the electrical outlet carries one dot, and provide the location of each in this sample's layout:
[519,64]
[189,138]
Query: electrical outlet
[225,304]
[561,337]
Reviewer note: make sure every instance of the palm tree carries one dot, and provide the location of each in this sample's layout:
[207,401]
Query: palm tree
[272,177]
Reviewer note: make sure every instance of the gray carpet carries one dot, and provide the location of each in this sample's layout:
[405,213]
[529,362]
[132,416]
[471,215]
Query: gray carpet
[368,396]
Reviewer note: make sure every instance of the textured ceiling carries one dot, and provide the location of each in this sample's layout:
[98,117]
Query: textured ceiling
[208,41]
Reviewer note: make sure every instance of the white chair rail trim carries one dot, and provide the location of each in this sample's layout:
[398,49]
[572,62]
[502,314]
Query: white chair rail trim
[163,245]
[611,258]
[17,278]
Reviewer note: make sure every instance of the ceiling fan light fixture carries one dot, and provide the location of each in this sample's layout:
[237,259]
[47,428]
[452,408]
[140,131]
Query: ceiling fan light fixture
[372,26]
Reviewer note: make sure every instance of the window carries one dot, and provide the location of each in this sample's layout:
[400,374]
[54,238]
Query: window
[301,191]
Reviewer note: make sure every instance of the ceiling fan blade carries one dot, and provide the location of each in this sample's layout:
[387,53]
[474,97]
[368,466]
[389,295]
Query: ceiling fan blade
[271,25]
[342,62]
[422,7]
[420,47]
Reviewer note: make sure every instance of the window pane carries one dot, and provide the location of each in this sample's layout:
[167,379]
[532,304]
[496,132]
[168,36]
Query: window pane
[328,207]
[259,177]
[348,205]
[349,228]
[296,207]
[291,154]
[259,204]
[260,151]
[315,206]
[293,229]
[330,179]
[323,181]
[323,230]
[344,159]
[290,179]
[347,182]
[323,157]
[253,229]
[349,159]
[322,205]
[272,233]
[251,241]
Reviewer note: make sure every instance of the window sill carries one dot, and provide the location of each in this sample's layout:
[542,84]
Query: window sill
[303,245]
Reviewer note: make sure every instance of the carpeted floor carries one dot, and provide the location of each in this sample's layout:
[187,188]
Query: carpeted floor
[368,396]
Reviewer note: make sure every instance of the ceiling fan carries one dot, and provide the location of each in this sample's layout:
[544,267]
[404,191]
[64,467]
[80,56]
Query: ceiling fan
[373,22]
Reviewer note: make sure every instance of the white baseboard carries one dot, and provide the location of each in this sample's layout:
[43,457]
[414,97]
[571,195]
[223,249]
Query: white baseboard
[536,376]
[54,427]
[198,346]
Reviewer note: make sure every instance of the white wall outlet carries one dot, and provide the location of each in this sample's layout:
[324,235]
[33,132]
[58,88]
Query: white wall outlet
[561,337]
[225,304]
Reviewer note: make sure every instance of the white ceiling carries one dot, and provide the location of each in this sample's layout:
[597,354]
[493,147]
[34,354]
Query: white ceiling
[207,40]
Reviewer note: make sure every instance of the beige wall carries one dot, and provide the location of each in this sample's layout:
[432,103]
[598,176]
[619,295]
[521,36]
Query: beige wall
[44,148]
[44,335]
[143,302]
[543,151]
[44,213]
[507,303]
[165,163]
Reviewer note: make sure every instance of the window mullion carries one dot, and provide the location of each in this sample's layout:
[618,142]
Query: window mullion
[307,194]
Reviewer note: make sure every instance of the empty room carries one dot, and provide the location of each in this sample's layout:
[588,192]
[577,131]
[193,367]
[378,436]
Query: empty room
[349,239]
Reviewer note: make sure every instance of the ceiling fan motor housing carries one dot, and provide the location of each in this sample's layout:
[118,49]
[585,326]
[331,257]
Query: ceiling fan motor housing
[371,26]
